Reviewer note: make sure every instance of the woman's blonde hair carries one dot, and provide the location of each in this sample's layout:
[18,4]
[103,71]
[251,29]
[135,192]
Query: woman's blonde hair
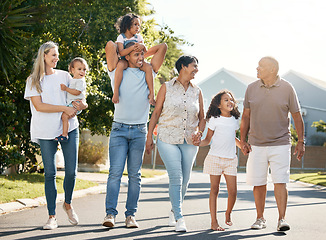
[38,71]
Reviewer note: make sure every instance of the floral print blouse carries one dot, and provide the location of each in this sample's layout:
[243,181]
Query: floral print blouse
[180,114]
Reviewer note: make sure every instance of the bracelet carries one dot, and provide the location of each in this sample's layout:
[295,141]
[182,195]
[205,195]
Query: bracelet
[303,141]
[201,132]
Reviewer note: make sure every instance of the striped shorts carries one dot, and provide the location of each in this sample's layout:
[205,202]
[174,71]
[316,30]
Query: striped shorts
[215,165]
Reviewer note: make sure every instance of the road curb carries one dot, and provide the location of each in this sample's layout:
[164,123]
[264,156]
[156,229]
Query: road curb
[309,184]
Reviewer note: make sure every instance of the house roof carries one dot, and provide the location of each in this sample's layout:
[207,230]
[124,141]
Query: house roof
[246,79]
[240,77]
[314,81]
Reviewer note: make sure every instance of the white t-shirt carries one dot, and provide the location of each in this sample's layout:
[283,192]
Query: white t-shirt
[139,38]
[49,125]
[223,140]
[78,84]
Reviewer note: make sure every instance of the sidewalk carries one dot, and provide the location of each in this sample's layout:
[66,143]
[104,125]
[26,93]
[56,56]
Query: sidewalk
[99,178]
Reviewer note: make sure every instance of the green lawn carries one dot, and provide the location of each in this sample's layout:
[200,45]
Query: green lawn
[18,186]
[149,173]
[313,178]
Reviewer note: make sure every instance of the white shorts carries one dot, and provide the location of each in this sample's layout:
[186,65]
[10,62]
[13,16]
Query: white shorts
[215,165]
[278,158]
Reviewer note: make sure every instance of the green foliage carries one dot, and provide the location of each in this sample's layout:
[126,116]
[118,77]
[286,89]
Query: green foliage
[90,152]
[166,35]
[81,28]
[320,126]
[12,18]
[14,128]
[294,136]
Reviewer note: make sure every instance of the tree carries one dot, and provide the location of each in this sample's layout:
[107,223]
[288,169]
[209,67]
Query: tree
[320,126]
[294,136]
[13,18]
[15,148]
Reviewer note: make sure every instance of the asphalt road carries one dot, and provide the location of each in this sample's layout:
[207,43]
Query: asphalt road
[306,214]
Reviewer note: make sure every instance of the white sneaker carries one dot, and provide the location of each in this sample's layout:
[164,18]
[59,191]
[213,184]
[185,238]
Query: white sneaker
[283,225]
[50,224]
[131,222]
[109,221]
[181,225]
[72,216]
[172,221]
[259,224]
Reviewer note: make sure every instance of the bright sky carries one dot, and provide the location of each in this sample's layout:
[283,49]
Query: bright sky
[235,34]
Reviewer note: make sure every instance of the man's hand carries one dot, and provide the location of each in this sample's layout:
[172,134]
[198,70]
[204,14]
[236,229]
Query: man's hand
[299,150]
[245,148]
[149,144]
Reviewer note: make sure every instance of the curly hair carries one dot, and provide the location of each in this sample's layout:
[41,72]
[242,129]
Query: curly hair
[124,22]
[214,111]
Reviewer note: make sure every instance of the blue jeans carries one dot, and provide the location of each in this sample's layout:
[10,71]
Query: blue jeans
[178,160]
[70,153]
[127,143]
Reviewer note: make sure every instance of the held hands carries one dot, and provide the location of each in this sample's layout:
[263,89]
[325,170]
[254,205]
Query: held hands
[196,138]
[245,148]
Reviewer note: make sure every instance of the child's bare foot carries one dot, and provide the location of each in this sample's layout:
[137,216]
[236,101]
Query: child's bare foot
[151,99]
[228,219]
[216,227]
[115,98]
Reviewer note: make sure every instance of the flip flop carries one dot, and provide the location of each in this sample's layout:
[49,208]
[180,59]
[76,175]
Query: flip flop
[61,139]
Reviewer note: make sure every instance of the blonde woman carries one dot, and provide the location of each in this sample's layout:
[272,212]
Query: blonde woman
[47,103]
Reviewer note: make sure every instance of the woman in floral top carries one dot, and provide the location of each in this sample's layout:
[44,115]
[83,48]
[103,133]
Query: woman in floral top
[179,107]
